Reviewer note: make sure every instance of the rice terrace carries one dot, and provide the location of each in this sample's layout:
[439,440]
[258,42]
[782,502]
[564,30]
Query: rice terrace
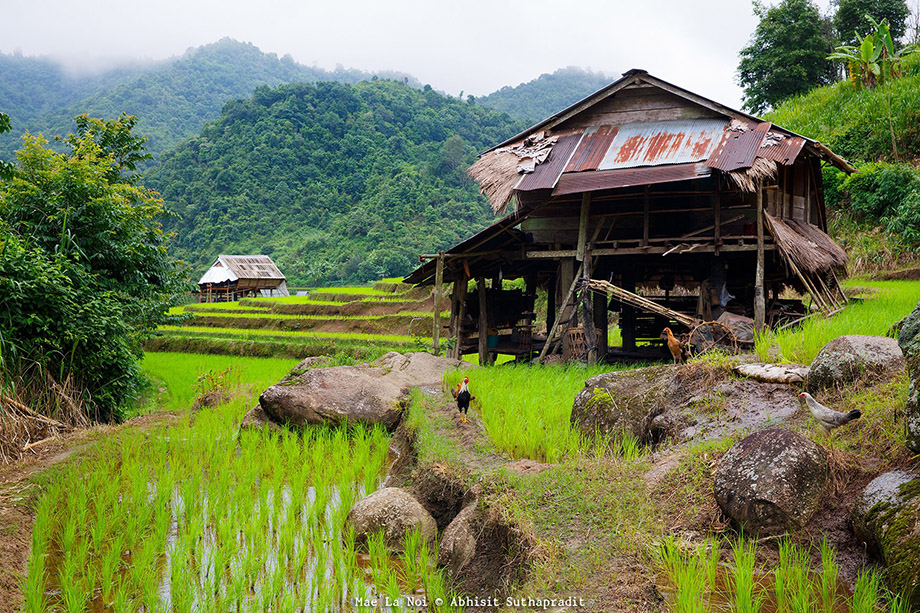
[282,339]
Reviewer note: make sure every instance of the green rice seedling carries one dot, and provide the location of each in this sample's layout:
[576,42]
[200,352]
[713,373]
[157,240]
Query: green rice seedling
[866,593]
[34,583]
[686,573]
[710,554]
[747,597]
[411,558]
[109,566]
[792,582]
[74,595]
[827,587]
[898,604]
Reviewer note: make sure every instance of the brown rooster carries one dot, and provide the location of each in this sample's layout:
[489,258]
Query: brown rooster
[674,346]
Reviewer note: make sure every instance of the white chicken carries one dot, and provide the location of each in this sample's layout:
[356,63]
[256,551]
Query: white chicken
[828,418]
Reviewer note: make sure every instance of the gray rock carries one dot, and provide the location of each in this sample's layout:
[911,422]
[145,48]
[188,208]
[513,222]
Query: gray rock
[257,418]
[368,393]
[624,400]
[887,518]
[909,341]
[458,543]
[848,359]
[396,512]
[771,481]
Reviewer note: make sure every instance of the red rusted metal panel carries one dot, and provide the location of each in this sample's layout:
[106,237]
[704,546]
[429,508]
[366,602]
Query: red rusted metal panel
[575,182]
[781,148]
[546,174]
[592,149]
[739,148]
[663,142]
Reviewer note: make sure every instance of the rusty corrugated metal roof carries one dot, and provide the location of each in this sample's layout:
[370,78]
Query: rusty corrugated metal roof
[575,182]
[739,147]
[592,149]
[546,174]
[781,148]
[663,142]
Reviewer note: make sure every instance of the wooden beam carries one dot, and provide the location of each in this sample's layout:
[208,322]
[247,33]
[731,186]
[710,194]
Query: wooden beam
[551,301]
[600,325]
[483,322]
[583,226]
[717,226]
[438,280]
[701,248]
[587,313]
[759,305]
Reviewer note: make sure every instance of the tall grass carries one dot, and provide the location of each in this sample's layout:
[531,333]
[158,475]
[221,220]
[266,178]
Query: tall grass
[874,316]
[526,410]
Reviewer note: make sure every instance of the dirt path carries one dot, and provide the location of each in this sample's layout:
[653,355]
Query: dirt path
[17,492]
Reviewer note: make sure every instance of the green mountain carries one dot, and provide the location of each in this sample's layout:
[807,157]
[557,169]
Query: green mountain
[172,99]
[336,182]
[547,94]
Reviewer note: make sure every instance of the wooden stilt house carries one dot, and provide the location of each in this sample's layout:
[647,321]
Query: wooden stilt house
[232,277]
[679,209]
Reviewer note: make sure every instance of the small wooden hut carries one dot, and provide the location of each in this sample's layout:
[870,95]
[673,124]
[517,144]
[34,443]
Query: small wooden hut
[232,277]
[688,209]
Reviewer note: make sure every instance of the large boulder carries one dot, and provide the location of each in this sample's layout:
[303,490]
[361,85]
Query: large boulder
[770,481]
[396,512]
[373,393]
[458,543]
[626,400]
[887,518]
[909,341]
[848,359]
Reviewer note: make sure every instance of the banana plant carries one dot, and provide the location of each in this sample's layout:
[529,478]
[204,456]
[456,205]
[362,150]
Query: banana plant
[875,59]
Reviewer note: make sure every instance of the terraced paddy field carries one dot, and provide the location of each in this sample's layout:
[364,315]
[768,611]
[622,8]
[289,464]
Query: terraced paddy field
[355,322]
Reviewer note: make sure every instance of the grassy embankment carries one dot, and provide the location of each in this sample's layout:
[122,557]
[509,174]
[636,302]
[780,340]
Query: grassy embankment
[199,515]
[358,322]
[603,527]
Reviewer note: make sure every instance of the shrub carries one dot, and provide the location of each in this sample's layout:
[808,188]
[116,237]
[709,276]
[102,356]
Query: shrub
[879,189]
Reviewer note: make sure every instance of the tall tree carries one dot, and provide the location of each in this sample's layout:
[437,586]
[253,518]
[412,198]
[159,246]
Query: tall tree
[787,54]
[850,18]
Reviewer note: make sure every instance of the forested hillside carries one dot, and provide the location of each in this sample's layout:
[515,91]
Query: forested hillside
[172,99]
[547,94]
[875,212]
[336,182]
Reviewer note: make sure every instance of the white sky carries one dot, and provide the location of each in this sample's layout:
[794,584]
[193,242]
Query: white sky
[472,46]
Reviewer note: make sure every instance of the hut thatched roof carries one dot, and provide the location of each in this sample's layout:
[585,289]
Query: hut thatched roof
[811,250]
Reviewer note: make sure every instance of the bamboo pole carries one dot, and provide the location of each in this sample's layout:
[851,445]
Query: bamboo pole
[583,227]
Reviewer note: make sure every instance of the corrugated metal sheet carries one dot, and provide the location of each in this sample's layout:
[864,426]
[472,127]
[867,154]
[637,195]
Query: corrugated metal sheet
[738,149]
[546,174]
[575,182]
[592,149]
[248,270]
[785,151]
[663,142]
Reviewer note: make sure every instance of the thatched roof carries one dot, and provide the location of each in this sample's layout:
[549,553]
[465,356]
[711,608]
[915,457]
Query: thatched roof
[811,250]
[499,171]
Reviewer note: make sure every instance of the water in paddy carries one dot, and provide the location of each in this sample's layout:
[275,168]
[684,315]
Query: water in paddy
[197,519]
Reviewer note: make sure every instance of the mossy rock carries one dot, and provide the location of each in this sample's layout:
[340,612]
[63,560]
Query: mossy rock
[909,341]
[614,402]
[887,519]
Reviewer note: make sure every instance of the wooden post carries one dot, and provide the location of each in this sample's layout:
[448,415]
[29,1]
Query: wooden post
[583,226]
[645,216]
[628,315]
[457,307]
[483,323]
[587,313]
[438,280]
[600,325]
[759,306]
[717,236]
